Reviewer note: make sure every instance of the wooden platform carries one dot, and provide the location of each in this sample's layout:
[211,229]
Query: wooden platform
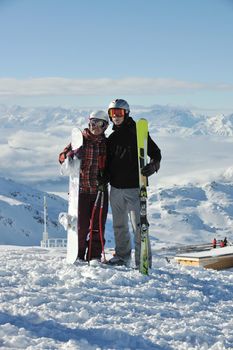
[217,259]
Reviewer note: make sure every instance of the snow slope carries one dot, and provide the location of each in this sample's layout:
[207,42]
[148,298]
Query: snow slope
[193,213]
[22,217]
[47,304]
[179,214]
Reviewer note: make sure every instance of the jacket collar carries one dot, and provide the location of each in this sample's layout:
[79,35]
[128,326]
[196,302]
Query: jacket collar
[93,138]
[127,123]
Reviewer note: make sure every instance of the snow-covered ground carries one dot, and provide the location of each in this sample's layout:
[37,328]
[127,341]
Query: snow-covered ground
[47,304]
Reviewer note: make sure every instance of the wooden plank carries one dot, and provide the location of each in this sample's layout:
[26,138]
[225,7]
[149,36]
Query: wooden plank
[217,259]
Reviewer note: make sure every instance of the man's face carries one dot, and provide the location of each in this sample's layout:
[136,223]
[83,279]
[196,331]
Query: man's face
[117,115]
[97,126]
[117,120]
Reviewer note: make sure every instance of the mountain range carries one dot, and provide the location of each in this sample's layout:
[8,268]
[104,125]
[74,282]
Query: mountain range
[163,119]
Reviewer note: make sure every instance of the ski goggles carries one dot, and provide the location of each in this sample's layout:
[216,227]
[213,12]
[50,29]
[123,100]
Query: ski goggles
[98,122]
[116,112]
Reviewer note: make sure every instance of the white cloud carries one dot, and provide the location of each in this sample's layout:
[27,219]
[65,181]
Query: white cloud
[31,155]
[55,86]
[27,140]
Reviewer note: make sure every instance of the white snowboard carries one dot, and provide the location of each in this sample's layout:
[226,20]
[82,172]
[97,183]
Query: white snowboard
[69,220]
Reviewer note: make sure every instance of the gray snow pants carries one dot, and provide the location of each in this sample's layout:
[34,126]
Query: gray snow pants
[125,204]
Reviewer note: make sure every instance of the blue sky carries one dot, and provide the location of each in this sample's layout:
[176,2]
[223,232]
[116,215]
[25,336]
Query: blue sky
[87,52]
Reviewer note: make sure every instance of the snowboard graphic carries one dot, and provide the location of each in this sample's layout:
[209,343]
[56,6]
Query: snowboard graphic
[142,139]
[71,167]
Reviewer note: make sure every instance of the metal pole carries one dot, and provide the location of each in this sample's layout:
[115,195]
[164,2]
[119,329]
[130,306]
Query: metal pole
[45,233]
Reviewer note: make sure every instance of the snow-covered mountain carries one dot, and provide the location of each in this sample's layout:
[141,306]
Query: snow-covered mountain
[179,214]
[193,212]
[41,117]
[164,119]
[21,214]
[167,120]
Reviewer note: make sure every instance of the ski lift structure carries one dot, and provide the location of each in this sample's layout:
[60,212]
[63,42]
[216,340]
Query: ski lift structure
[47,242]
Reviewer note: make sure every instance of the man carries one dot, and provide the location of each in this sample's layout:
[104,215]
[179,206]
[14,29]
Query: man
[93,156]
[122,169]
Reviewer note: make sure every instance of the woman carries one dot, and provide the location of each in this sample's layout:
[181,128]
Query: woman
[92,155]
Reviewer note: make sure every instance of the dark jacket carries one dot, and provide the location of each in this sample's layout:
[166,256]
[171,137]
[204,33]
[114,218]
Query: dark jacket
[122,157]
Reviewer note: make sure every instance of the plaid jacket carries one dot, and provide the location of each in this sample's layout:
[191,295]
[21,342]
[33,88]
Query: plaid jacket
[92,155]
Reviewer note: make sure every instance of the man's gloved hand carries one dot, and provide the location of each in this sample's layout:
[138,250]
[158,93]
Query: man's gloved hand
[151,168]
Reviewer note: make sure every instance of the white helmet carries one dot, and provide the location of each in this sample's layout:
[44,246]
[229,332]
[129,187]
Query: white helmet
[119,103]
[99,115]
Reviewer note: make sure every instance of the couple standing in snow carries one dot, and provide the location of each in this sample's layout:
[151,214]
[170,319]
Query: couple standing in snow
[114,160]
